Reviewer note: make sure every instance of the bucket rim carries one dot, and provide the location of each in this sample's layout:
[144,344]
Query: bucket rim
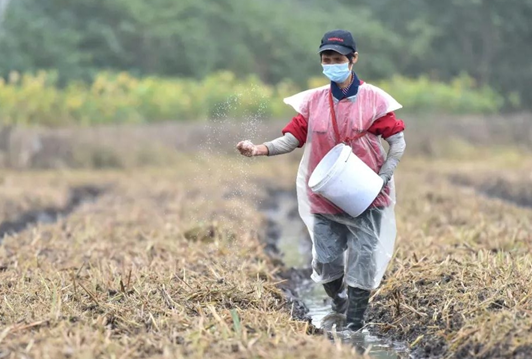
[345,151]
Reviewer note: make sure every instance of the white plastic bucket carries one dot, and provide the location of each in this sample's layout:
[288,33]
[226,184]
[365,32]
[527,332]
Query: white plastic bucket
[345,180]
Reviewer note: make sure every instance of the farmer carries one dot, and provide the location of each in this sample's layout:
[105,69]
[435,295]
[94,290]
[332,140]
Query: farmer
[345,250]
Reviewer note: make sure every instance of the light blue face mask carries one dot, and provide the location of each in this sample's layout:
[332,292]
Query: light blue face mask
[338,72]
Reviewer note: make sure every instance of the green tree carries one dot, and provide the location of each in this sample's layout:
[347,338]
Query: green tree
[275,39]
[487,39]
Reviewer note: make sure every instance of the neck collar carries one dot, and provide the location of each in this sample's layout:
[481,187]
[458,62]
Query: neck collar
[351,91]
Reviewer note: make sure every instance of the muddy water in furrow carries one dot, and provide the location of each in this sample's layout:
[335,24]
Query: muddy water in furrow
[290,237]
[77,197]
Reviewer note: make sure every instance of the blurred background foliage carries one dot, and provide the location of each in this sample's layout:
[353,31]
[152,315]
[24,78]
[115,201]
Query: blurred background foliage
[99,61]
[120,98]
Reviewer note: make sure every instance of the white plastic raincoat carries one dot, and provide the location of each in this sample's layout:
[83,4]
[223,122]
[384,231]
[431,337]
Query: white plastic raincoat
[359,248]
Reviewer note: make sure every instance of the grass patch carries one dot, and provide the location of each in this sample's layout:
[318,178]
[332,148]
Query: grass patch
[160,266]
[169,263]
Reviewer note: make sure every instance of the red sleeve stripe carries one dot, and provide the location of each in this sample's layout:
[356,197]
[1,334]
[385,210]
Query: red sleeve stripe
[298,128]
[386,126]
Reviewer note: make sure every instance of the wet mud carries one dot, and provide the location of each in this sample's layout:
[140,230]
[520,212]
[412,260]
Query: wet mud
[273,230]
[288,244]
[77,197]
[519,194]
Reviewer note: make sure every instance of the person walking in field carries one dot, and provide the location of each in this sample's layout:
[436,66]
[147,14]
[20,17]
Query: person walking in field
[346,251]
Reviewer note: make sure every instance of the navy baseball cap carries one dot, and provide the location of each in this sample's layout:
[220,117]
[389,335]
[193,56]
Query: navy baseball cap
[340,41]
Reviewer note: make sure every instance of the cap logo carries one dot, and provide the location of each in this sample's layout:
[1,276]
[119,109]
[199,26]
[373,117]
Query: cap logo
[335,39]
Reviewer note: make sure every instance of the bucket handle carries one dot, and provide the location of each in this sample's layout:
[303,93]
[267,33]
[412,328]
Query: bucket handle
[349,155]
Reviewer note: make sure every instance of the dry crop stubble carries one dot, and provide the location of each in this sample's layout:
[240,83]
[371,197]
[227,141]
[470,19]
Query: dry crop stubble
[168,263]
[160,266]
[15,198]
[459,283]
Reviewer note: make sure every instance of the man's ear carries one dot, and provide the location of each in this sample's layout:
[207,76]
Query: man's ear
[355,57]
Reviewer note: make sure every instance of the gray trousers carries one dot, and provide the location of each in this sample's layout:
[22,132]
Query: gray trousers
[336,234]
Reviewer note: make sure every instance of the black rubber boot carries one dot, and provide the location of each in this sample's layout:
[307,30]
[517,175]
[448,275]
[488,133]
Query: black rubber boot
[358,300]
[334,290]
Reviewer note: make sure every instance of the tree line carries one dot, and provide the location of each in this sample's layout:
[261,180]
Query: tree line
[273,39]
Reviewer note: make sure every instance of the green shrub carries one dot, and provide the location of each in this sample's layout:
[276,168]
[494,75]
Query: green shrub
[460,96]
[121,98]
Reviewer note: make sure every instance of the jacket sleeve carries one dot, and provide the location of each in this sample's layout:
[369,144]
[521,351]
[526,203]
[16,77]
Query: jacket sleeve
[282,145]
[298,127]
[395,153]
[386,126]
